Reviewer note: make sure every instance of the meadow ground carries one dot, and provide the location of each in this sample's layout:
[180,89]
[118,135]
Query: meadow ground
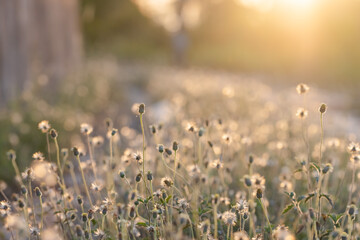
[163,153]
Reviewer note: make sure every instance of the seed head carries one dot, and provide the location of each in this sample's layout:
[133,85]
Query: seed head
[322,108]
[122,174]
[53,133]
[38,192]
[11,155]
[114,132]
[160,148]
[302,88]
[80,200]
[138,177]
[138,108]
[84,217]
[149,176]
[166,182]
[259,193]
[75,151]
[302,113]
[229,218]
[79,231]
[86,128]
[38,156]
[175,146]
[44,126]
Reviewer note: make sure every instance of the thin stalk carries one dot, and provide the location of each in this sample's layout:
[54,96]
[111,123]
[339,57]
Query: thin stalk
[17,171]
[228,232]
[4,195]
[42,213]
[191,225]
[174,171]
[322,138]
[143,145]
[89,224]
[215,221]
[352,183]
[91,156]
[73,177]
[48,145]
[172,189]
[308,157]
[108,173]
[59,164]
[32,201]
[84,181]
[266,216]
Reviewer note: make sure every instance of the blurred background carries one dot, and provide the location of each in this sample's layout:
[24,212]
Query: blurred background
[58,56]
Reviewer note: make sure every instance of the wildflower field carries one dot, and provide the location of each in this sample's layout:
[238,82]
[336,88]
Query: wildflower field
[171,154]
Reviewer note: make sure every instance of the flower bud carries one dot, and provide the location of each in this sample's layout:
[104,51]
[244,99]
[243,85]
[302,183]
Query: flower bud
[323,108]
[38,192]
[53,133]
[141,108]
[175,146]
[80,200]
[160,148]
[138,177]
[149,176]
[259,193]
[76,151]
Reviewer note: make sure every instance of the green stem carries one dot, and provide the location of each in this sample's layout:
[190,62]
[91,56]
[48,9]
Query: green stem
[17,171]
[59,164]
[322,138]
[84,181]
[42,213]
[143,145]
[215,221]
[266,216]
[48,145]
[228,232]
[32,201]
[352,183]
[91,156]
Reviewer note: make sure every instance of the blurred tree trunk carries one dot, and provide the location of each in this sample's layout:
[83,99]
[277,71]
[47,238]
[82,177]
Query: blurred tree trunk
[37,37]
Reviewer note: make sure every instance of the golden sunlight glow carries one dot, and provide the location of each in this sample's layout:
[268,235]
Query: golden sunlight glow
[288,5]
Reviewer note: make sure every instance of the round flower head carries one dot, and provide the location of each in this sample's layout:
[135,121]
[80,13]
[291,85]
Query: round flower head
[286,186]
[216,164]
[138,157]
[301,113]
[282,232]
[227,138]
[38,156]
[100,234]
[166,182]
[353,147]
[97,141]
[355,158]
[242,206]
[242,235]
[258,181]
[44,126]
[229,218]
[11,155]
[204,227]
[86,128]
[302,88]
[183,203]
[96,187]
